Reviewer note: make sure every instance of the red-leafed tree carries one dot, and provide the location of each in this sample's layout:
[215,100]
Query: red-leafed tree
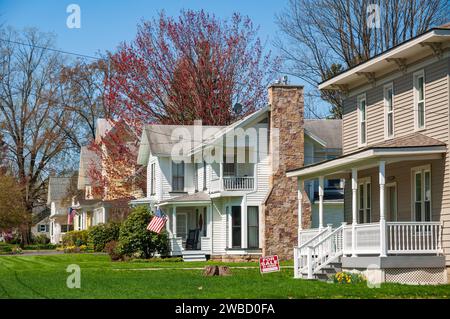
[178,70]
[193,67]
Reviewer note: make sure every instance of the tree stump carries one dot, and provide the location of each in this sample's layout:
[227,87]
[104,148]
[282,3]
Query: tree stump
[216,271]
[224,271]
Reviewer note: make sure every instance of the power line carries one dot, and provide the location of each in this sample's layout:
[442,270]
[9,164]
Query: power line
[51,49]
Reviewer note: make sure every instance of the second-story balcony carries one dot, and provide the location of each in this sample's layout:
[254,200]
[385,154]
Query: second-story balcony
[236,183]
[233,183]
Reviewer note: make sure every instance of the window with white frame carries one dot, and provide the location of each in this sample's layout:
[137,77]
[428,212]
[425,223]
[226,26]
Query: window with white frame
[152,178]
[178,176]
[422,193]
[388,111]
[42,228]
[419,100]
[364,200]
[362,119]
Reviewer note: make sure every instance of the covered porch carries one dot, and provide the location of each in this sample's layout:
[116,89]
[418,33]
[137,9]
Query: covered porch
[189,224]
[393,198]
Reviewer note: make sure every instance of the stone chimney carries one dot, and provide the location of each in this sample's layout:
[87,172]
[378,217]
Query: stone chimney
[286,122]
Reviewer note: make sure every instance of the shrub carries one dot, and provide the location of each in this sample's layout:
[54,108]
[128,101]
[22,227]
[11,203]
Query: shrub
[75,238]
[113,250]
[102,234]
[41,239]
[136,241]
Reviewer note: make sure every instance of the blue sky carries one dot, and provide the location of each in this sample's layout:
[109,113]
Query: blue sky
[104,24]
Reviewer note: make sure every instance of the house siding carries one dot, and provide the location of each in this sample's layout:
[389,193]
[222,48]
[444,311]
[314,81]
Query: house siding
[437,102]
[219,227]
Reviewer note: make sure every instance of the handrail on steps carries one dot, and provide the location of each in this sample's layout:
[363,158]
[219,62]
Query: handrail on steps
[298,249]
[311,269]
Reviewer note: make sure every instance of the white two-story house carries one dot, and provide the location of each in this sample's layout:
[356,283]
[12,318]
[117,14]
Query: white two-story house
[214,195]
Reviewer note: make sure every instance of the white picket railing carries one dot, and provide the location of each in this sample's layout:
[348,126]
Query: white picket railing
[413,237]
[308,238]
[325,251]
[367,239]
[233,183]
[320,247]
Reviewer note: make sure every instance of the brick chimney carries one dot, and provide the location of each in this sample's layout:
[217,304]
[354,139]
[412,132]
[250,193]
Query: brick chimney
[286,150]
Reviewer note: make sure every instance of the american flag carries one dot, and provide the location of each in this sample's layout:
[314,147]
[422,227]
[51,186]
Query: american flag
[157,223]
[72,213]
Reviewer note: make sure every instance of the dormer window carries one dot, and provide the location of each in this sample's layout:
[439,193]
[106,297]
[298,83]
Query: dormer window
[419,100]
[362,119]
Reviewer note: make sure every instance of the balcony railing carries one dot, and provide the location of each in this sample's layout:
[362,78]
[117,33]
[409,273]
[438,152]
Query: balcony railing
[233,183]
[238,183]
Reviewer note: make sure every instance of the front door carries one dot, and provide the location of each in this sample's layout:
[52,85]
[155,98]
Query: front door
[391,202]
[236,226]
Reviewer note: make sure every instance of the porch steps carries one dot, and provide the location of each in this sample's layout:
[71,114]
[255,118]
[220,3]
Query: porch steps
[326,272]
[194,256]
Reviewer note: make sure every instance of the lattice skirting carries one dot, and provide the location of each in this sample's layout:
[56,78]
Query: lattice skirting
[424,276]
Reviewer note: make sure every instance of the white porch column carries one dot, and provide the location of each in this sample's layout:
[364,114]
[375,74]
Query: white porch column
[354,208]
[300,207]
[320,202]
[209,221]
[244,223]
[382,179]
[221,177]
[174,222]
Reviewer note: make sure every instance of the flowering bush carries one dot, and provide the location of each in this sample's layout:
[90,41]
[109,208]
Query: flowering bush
[348,278]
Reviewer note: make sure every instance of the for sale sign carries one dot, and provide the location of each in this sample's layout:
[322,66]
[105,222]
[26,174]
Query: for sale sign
[269,264]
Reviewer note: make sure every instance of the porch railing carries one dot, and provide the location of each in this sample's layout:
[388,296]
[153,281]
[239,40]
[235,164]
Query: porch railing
[367,239]
[413,237]
[238,183]
[318,247]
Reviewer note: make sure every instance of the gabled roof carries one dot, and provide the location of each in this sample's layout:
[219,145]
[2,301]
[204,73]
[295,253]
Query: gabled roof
[328,133]
[405,53]
[88,159]
[157,139]
[58,189]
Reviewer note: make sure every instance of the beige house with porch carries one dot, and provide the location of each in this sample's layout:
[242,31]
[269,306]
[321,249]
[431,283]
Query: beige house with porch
[396,168]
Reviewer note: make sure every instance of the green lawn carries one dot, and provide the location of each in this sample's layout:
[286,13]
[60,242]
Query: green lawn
[45,277]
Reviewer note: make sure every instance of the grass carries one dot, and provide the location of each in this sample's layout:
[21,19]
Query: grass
[45,277]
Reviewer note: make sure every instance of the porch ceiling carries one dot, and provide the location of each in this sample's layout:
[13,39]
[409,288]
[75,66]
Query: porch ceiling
[368,158]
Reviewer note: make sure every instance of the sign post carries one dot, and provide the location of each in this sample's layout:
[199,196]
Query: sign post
[269,264]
